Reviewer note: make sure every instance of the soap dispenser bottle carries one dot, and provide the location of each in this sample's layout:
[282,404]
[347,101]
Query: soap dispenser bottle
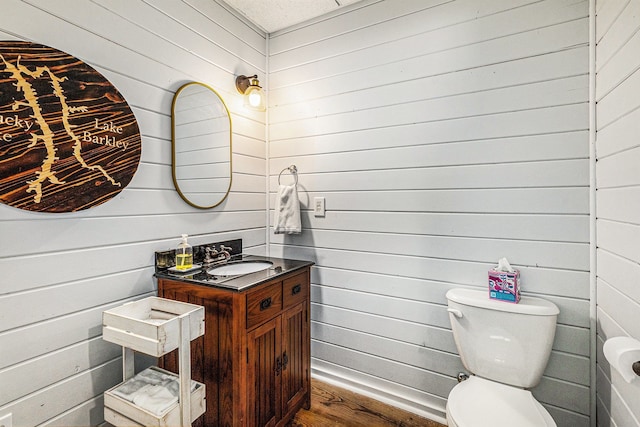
[184,255]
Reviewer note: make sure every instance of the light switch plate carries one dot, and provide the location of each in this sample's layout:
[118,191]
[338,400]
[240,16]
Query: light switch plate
[318,206]
[6,420]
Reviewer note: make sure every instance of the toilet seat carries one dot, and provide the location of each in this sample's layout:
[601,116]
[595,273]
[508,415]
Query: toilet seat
[478,402]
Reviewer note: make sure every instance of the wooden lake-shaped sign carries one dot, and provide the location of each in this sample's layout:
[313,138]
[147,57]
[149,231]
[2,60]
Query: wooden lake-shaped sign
[68,139]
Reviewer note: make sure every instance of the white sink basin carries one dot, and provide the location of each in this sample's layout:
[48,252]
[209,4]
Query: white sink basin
[244,267]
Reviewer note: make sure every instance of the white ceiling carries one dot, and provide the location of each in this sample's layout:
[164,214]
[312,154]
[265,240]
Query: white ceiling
[274,15]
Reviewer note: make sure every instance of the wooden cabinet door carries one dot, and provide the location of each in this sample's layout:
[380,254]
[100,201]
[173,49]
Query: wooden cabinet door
[295,369]
[264,374]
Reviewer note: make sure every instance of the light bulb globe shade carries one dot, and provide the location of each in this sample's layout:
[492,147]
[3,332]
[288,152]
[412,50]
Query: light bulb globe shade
[254,97]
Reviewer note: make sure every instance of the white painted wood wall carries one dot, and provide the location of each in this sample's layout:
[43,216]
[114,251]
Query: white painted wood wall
[618,199]
[60,271]
[443,135]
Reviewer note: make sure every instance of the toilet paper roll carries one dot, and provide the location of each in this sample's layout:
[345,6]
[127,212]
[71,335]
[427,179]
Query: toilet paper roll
[622,353]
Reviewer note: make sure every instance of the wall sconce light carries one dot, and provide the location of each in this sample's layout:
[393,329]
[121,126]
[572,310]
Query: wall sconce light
[253,94]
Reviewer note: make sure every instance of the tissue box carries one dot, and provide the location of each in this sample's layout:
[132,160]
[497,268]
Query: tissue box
[504,285]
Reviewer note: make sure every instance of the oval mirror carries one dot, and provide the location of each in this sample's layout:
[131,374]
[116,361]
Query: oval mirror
[201,143]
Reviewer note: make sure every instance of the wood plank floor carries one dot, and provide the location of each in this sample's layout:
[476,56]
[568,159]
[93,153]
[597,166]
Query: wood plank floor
[333,406]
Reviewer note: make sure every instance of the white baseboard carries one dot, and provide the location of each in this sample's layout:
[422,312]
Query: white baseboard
[430,407]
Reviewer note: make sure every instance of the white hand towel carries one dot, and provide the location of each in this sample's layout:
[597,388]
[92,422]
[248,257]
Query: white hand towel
[156,399]
[152,390]
[287,215]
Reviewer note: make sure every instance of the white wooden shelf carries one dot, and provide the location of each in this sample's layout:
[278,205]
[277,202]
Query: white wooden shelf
[151,325]
[154,326]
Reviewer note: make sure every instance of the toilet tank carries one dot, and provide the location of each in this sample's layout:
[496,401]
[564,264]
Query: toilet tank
[501,341]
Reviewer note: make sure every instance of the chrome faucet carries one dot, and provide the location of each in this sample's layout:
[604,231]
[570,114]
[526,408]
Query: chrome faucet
[211,253]
[225,251]
[217,257]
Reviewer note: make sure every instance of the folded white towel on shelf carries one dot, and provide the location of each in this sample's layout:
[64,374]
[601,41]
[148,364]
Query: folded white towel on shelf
[287,212]
[152,390]
[156,399]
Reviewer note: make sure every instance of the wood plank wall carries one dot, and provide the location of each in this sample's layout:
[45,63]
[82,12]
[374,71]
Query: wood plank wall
[60,271]
[618,196]
[443,135]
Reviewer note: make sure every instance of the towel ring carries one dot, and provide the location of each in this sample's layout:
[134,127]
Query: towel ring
[293,170]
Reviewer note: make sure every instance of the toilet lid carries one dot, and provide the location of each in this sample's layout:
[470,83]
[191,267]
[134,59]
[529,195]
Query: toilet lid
[478,402]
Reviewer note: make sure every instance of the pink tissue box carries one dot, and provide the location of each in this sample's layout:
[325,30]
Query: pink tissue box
[504,285]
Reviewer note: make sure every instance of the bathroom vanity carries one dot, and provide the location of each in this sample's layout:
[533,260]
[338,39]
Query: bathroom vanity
[254,357]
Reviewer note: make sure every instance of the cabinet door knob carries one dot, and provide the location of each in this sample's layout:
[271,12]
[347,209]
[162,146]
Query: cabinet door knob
[296,289]
[278,366]
[285,361]
[265,303]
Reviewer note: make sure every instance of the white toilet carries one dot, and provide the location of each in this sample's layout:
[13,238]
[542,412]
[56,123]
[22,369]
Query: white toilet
[506,346]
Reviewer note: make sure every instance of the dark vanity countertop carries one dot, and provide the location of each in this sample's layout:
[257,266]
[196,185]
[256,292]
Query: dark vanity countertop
[238,283]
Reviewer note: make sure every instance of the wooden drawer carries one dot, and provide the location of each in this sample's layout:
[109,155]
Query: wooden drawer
[295,289]
[263,303]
